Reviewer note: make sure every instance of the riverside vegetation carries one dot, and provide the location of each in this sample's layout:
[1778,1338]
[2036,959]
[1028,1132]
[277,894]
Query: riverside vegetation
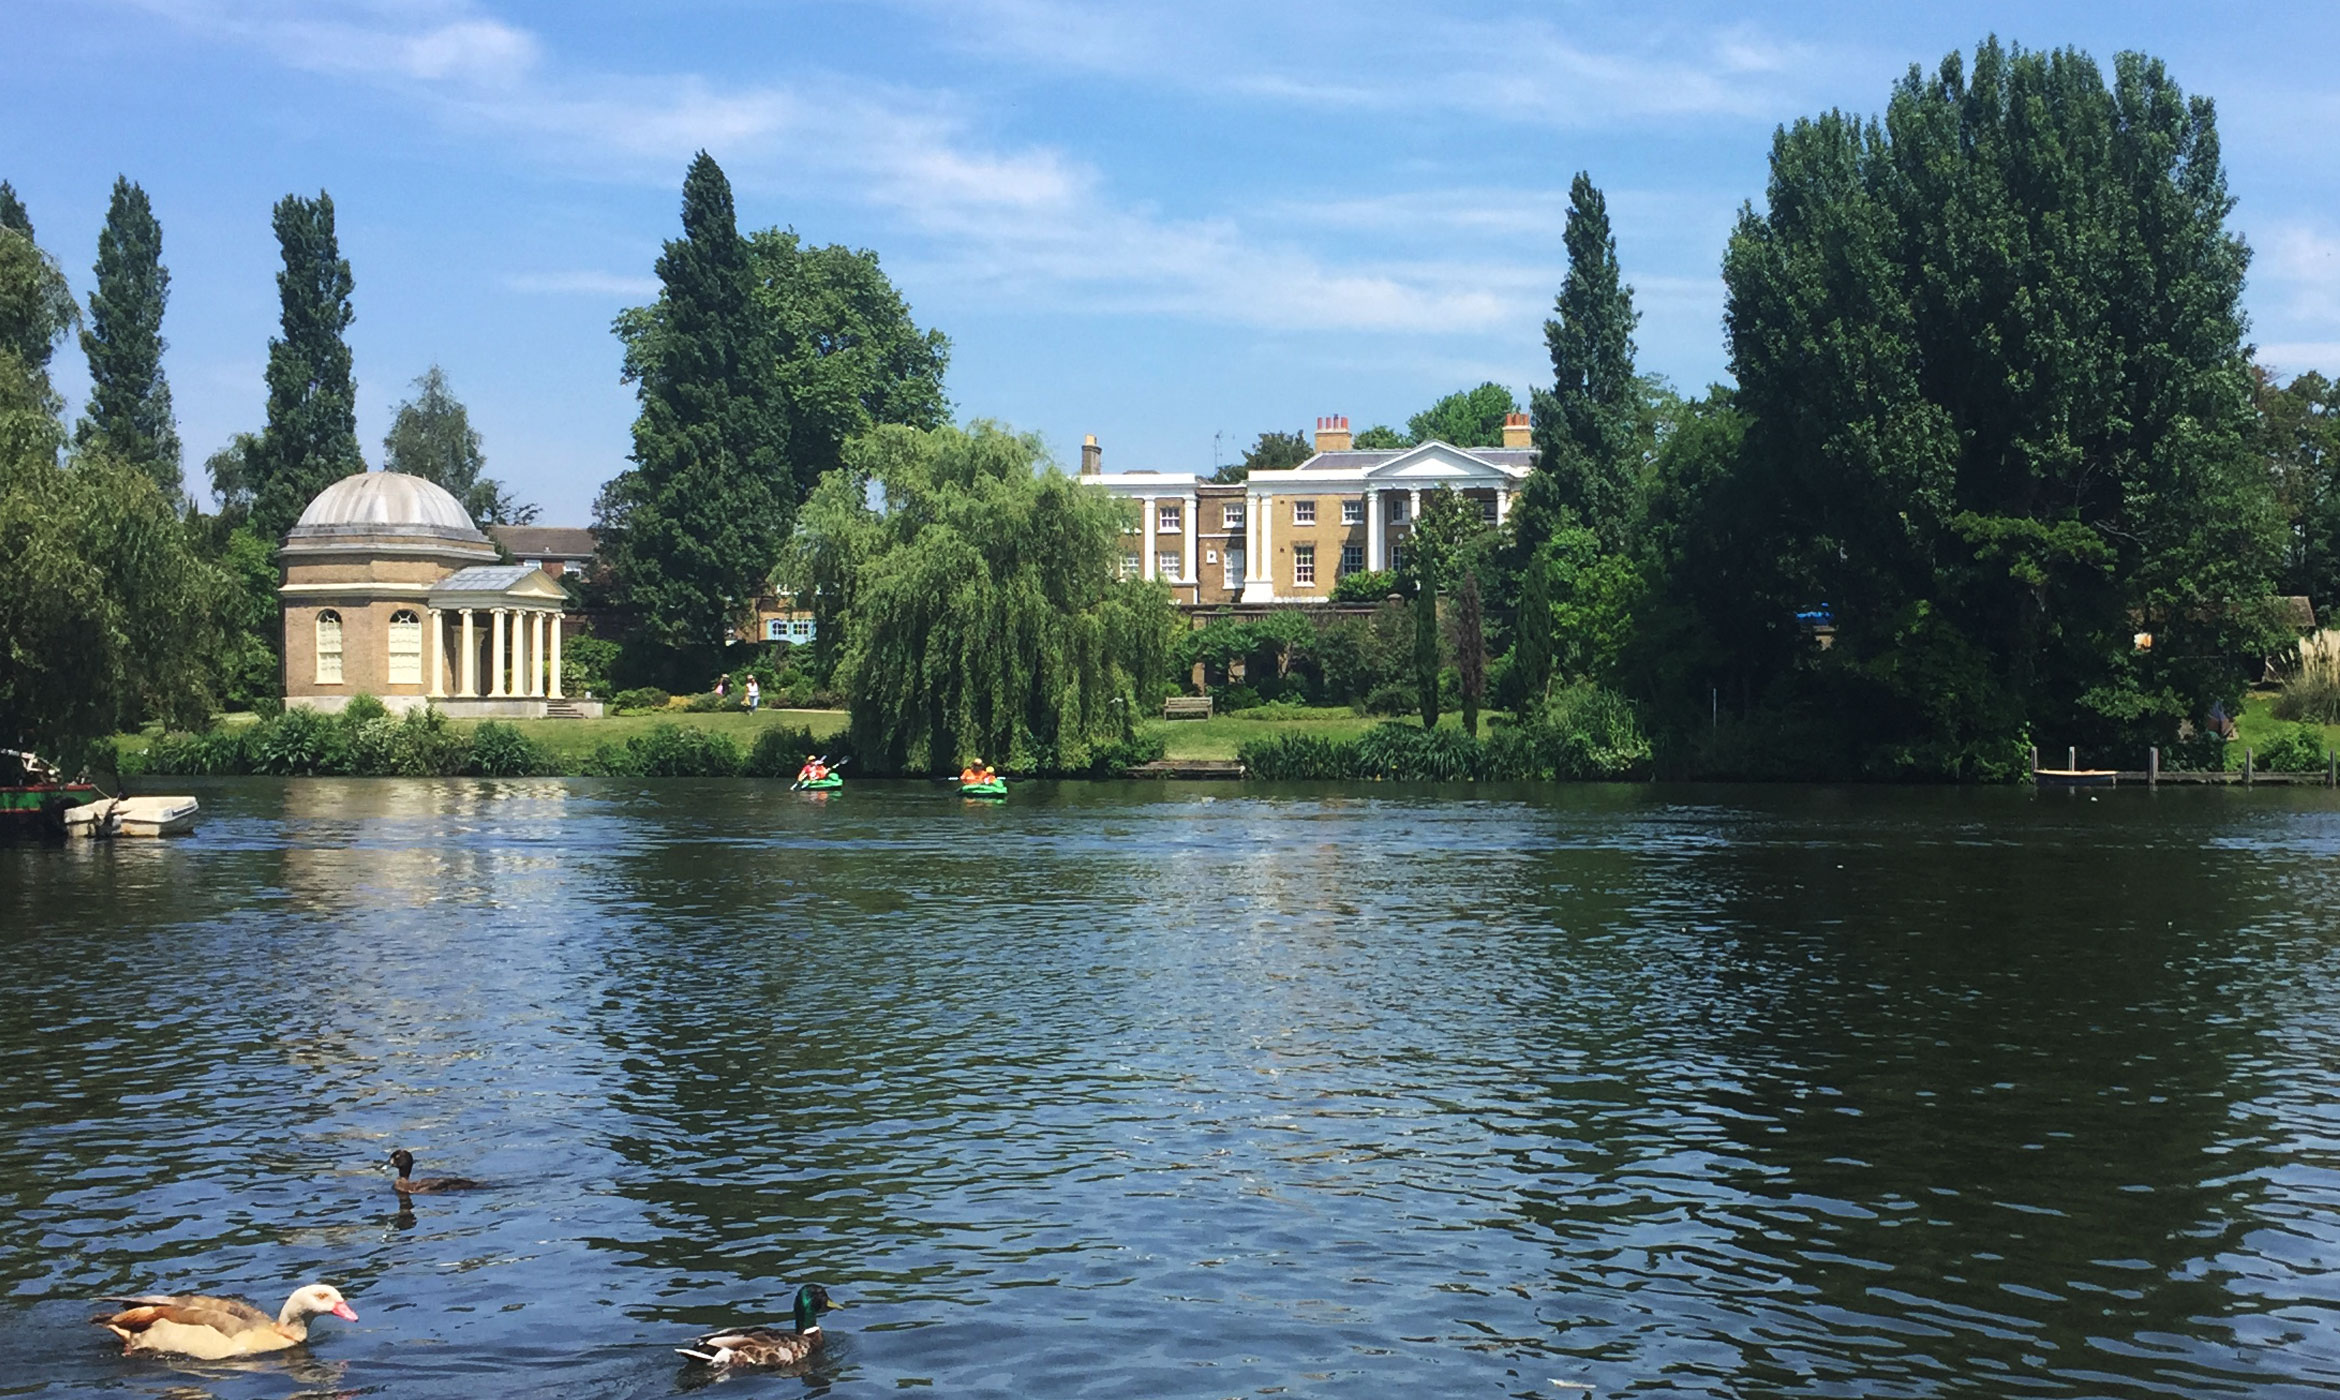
[2026,500]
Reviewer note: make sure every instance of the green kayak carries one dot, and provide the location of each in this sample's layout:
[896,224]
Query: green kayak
[829,784]
[992,789]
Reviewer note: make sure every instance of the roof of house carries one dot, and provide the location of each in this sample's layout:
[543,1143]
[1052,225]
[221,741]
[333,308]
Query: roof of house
[545,541]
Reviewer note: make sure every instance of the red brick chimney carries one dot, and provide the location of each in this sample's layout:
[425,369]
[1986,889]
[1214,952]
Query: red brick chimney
[1517,432]
[1332,433]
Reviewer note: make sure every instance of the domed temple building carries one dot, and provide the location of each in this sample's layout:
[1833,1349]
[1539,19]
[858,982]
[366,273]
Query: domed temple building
[390,590]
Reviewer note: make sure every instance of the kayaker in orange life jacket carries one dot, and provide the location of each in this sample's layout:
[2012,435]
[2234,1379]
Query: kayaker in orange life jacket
[813,771]
[973,773]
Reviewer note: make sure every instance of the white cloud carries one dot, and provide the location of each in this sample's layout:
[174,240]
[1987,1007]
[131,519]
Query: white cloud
[584,282]
[2303,262]
[1028,222]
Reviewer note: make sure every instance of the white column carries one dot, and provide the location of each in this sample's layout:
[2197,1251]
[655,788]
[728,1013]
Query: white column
[1267,543]
[1502,504]
[1251,509]
[556,656]
[438,690]
[536,653]
[1193,528]
[1413,505]
[1146,524]
[496,653]
[1373,528]
[470,658]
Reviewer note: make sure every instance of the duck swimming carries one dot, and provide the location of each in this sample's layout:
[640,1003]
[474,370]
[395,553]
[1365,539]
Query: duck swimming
[768,1346]
[214,1329]
[408,1184]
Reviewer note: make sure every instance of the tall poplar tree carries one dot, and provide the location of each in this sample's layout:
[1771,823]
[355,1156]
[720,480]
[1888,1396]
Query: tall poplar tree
[1586,424]
[310,441]
[36,305]
[693,531]
[129,412]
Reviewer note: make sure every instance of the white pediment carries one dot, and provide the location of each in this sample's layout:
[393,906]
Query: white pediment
[1437,462]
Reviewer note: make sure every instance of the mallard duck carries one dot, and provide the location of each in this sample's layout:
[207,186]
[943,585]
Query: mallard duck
[768,1346]
[214,1329]
[407,1184]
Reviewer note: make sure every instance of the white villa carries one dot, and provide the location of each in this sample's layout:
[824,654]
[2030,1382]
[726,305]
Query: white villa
[1287,536]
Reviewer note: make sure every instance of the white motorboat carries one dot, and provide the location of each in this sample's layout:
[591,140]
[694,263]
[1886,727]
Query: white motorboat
[133,816]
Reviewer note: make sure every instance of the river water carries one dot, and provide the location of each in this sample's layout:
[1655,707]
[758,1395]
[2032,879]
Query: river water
[1191,1090]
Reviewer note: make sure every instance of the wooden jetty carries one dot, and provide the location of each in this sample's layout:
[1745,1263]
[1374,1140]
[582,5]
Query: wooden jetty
[2153,774]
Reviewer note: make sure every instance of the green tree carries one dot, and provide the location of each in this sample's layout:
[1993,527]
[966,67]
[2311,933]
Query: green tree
[1273,452]
[129,412]
[311,438]
[1465,418]
[1530,676]
[230,472]
[694,529]
[109,615]
[847,355]
[1998,411]
[431,437]
[986,618]
[1380,438]
[1426,650]
[36,305]
[2299,435]
[1586,424]
[1470,648]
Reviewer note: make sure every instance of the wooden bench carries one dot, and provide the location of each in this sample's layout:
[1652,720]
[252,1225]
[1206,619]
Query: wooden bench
[1187,707]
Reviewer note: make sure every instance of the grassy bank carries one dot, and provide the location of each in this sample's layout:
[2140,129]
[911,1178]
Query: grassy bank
[1221,736]
[573,740]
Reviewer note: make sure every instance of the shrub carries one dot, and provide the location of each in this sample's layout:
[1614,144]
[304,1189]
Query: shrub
[779,752]
[1300,758]
[1591,732]
[211,753]
[585,665]
[1391,698]
[1110,759]
[670,751]
[362,707]
[1230,698]
[708,702]
[501,751]
[2296,748]
[299,743]
[2312,690]
[648,697]
[1365,586]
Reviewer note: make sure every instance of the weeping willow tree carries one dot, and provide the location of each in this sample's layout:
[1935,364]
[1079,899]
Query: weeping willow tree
[979,605]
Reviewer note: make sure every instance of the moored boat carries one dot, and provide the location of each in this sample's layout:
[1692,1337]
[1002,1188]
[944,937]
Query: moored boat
[34,795]
[133,816]
[2075,777]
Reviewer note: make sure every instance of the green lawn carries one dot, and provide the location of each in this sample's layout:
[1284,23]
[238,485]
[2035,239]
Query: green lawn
[2256,726]
[1221,735]
[575,739]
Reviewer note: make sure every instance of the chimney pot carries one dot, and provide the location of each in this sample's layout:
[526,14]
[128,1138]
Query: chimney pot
[1517,432]
[1332,433]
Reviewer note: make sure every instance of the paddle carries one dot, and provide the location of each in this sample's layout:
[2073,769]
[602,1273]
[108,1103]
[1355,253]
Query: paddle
[798,785]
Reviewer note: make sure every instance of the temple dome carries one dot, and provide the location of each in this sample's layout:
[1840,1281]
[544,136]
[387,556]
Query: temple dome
[374,499]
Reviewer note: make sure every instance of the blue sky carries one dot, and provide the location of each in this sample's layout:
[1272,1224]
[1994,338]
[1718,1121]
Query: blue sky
[1170,225]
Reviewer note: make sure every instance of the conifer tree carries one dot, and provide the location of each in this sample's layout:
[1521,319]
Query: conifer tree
[1426,646]
[310,441]
[692,532]
[12,212]
[1585,425]
[129,412]
[1470,648]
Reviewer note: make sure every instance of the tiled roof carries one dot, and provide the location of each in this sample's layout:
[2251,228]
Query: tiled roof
[545,541]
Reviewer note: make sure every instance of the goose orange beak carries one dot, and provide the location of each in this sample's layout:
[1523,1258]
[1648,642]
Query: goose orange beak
[345,1312]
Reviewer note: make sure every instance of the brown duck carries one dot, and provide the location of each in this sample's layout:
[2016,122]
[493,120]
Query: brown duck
[214,1329]
[409,1184]
[768,1346]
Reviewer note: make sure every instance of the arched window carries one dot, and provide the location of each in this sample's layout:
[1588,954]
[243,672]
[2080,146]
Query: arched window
[405,648]
[329,647]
